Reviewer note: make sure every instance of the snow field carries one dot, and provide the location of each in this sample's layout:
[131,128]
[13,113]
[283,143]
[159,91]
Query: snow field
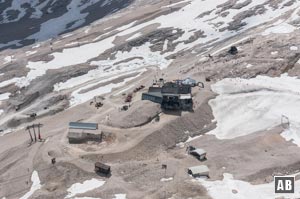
[246,106]
[230,188]
[36,185]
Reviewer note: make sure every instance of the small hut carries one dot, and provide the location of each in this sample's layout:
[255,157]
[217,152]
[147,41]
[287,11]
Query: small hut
[199,171]
[200,154]
[102,168]
[83,132]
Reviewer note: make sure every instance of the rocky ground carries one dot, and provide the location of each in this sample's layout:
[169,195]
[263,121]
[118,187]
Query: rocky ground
[58,79]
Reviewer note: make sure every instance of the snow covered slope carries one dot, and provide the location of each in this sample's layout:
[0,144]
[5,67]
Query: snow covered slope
[237,189]
[247,106]
[111,57]
[24,22]
[156,36]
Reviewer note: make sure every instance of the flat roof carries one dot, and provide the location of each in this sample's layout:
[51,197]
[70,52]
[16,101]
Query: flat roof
[101,165]
[155,94]
[202,169]
[81,125]
[199,151]
[185,96]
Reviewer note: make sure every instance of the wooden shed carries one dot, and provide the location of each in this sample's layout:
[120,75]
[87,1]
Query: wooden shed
[102,168]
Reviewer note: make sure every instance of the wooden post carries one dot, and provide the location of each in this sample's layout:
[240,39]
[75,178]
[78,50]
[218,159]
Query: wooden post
[39,132]
[34,133]
[164,166]
[29,133]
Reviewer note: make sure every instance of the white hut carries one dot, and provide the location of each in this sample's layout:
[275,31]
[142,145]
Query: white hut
[199,171]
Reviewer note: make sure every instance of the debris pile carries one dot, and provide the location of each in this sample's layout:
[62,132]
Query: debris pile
[98,102]
[138,89]
[128,98]
[233,50]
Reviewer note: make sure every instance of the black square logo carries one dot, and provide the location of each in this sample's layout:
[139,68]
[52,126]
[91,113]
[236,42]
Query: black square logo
[284,184]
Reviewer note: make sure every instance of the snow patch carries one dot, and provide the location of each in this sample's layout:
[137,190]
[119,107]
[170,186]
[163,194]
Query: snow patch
[249,66]
[53,27]
[165,47]
[237,189]
[136,35]
[78,98]
[86,186]
[274,53]
[87,30]
[120,196]
[245,106]
[67,57]
[36,46]
[292,134]
[72,44]
[175,4]
[7,131]
[180,145]
[283,28]
[30,53]
[125,27]
[192,138]
[186,20]
[166,179]
[8,82]
[124,63]
[8,59]
[293,48]
[4,96]
[36,185]
[232,44]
